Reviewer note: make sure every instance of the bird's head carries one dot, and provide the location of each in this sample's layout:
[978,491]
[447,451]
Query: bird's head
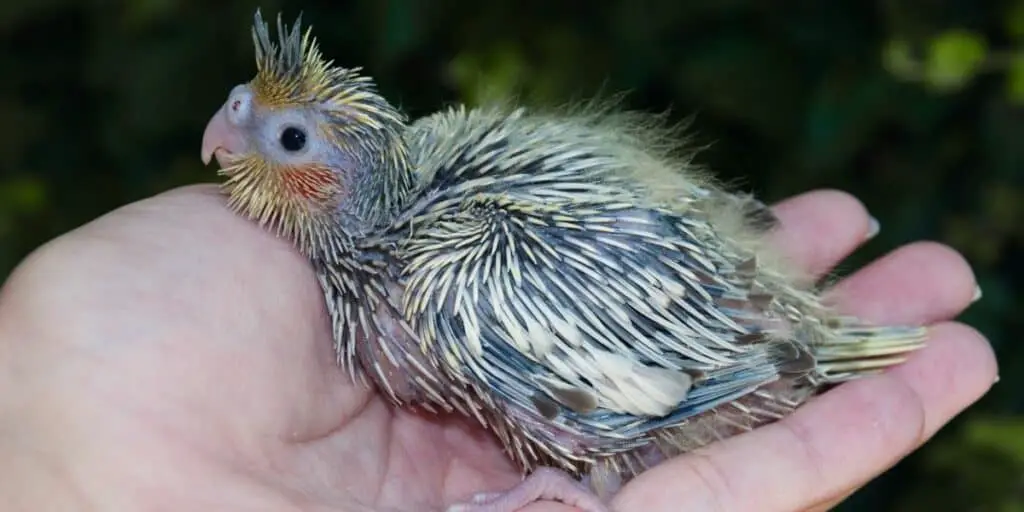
[308,148]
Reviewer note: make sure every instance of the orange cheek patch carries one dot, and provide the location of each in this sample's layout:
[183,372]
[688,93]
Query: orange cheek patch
[311,182]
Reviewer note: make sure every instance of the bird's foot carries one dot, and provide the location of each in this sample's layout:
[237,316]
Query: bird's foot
[543,484]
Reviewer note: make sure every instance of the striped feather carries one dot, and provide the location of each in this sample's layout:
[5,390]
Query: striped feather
[589,321]
[567,279]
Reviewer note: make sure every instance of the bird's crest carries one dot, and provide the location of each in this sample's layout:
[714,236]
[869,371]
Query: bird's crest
[293,73]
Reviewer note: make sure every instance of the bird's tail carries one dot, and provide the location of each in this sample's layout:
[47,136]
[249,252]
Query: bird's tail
[856,349]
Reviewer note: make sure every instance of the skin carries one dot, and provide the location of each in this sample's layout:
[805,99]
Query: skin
[174,356]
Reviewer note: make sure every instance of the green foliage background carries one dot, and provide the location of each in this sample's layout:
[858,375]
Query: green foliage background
[917,107]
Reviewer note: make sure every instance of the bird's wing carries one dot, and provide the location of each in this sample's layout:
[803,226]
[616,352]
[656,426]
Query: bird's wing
[535,270]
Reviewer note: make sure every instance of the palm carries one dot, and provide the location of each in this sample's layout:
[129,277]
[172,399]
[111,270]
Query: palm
[193,357]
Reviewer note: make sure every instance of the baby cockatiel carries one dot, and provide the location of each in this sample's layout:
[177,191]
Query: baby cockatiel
[563,278]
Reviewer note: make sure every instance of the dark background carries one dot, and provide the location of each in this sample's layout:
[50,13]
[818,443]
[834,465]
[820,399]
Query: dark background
[917,107]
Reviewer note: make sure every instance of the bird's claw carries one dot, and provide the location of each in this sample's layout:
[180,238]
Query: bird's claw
[542,484]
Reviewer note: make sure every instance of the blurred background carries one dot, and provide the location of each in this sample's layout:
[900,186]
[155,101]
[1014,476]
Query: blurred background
[917,107]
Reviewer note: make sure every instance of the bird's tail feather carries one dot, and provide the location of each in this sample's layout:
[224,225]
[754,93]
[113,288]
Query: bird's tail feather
[857,349]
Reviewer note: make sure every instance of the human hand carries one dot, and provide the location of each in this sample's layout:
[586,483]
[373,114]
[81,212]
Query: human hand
[172,355]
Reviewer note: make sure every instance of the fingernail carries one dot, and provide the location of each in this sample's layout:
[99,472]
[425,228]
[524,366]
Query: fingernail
[996,380]
[873,228]
[977,294]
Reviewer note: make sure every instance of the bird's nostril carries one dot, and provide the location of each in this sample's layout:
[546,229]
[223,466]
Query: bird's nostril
[238,107]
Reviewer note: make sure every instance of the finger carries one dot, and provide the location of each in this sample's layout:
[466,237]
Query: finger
[830,503]
[943,298]
[826,447]
[921,282]
[820,228]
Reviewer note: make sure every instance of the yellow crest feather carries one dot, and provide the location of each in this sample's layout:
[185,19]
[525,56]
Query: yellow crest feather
[292,73]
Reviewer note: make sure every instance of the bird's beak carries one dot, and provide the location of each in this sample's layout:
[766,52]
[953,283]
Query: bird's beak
[221,139]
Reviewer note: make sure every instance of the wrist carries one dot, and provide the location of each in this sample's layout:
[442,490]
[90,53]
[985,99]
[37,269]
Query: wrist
[33,481]
[33,476]
[38,419]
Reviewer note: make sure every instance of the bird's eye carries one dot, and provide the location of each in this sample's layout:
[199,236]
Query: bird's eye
[293,139]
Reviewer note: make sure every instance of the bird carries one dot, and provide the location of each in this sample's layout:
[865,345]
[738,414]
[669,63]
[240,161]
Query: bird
[568,278]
